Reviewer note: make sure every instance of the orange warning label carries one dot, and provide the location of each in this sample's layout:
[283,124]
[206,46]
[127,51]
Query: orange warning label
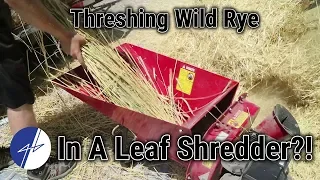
[239,120]
[208,164]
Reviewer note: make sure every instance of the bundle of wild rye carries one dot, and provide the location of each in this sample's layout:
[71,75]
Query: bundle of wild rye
[120,83]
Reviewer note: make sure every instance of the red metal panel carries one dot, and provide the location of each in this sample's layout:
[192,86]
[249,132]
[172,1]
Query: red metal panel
[230,130]
[207,91]
[272,127]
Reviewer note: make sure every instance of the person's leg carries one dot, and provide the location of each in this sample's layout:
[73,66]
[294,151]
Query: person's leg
[15,89]
[16,94]
[21,117]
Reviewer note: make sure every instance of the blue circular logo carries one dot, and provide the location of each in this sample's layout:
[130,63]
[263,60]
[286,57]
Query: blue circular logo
[30,148]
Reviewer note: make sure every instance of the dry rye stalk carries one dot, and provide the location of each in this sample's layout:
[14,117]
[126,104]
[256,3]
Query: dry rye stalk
[120,83]
[126,86]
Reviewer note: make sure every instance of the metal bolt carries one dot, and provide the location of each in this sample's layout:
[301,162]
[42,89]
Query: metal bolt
[190,76]
[180,130]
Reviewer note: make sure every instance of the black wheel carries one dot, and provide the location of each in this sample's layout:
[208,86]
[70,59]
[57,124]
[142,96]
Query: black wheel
[287,120]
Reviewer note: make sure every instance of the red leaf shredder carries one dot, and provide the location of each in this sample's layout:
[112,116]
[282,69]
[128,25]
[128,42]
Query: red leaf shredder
[216,116]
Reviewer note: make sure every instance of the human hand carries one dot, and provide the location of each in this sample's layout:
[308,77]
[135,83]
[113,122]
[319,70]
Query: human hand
[72,45]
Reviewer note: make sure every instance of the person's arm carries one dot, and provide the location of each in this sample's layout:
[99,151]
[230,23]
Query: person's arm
[36,14]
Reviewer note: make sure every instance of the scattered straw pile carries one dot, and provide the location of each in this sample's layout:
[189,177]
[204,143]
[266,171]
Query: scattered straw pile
[274,53]
[271,52]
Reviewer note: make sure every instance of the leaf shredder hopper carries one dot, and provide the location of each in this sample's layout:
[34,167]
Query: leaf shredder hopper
[216,116]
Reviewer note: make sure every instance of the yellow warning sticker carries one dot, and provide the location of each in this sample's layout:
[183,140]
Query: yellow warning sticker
[185,81]
[238,120]
[208,164]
